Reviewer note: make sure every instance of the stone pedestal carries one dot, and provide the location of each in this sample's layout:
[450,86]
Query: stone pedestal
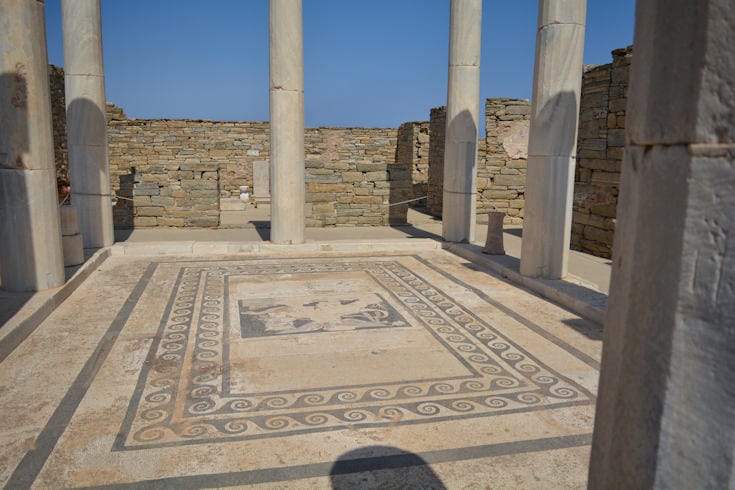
[463,101]
[553,138]
[288,188]
[494,241]
[86,127]
[666,405]
[30,234]
[261,182]
[71,239]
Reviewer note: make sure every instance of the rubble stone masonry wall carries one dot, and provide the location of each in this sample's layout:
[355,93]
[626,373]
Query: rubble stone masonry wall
[435,181]
[413,149]
[183,172]
[600,147]
[501,159]
[501,175]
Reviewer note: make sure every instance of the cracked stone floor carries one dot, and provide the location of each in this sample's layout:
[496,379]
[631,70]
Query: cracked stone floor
[392,370]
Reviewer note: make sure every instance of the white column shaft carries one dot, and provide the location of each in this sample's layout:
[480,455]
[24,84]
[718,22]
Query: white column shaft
[30,234]
[463,102]
[553,138]
[86,127]
[666,404]
[288,193]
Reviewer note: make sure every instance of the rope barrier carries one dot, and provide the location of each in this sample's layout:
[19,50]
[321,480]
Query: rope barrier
[404,202]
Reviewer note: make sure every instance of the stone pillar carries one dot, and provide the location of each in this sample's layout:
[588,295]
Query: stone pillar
[288,193]
[30,233]
[494,242]
[552,140]
[86,128]
[666,406]
[463,103]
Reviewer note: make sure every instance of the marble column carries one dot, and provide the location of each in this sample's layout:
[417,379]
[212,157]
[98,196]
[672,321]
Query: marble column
[463,102]
[86,129]
[666,406]
[288,193]
[30,233]
[552,140]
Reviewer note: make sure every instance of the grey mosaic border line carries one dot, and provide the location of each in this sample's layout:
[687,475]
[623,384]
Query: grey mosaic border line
[582,356]
[30,466]
[359,465]
[32,463]
[226,391]
[198,271]
[405,279]
[528,354]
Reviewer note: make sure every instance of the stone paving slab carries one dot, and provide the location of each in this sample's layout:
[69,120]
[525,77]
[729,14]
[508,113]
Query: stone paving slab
[368,369]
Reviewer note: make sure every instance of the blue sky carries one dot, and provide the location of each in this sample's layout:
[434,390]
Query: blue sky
[366,63]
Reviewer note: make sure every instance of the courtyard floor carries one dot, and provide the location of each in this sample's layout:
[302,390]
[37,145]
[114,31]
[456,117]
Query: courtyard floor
[401,368]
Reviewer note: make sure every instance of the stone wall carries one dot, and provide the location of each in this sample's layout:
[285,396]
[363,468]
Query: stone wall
[170,169]
[351,177]
[58,115]
[435,181]
[413,149]
[501,159]
[183,172]
[179,172]
[501,175]
[599,154]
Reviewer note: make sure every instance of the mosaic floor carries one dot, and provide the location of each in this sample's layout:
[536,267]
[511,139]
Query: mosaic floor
[363,370]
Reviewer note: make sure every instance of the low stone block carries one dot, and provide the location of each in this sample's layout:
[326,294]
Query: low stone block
[149,211]
[353,176]
[510,180]
[174,222]
[144,221]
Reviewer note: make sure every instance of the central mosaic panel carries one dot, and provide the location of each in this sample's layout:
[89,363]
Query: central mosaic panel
[231,358]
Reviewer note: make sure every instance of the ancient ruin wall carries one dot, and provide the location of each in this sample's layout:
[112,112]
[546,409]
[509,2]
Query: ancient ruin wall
[435,181]
[177,172]
[599,154]
[501,159]
[58,115]
[413,149]
[182,172]
[501,176]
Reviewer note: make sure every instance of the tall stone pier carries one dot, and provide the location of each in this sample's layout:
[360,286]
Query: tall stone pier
[463,102]
[288,192]
[30,234]
[552,139]
[84,80]
[666,406]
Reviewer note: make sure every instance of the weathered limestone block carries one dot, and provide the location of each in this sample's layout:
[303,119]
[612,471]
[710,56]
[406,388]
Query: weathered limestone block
[666,405]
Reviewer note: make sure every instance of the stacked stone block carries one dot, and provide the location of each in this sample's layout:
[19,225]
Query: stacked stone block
[501,174]
[413,149]
[435,181]
[58,113]
[166,172]
[351,178]
[501,159]
[599,154]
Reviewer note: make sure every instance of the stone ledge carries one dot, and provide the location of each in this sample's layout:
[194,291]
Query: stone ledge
[268,248]
[572,293]
[43,303]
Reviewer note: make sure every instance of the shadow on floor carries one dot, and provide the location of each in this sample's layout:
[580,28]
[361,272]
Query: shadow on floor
[122,234]
[586,328]
[263,228]
[514,231]
[414,232]
[382,467]
[11,303]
